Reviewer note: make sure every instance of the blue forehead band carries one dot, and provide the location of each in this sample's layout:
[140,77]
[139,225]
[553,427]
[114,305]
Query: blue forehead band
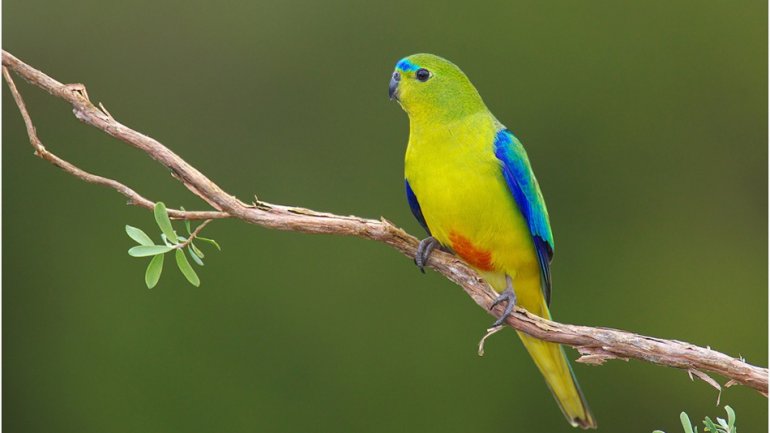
[405,65]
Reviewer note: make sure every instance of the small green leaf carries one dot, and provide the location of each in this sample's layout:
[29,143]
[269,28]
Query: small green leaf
[186,222]
[198,252]
[722,423]
[154,269]
[658,431]
[211,241]
[730,417]
[161,217]
[686,424]
[195,257]
[187,270]
[710,427]
[148,250]
[138,235]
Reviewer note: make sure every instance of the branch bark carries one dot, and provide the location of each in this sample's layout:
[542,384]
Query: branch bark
[595,344]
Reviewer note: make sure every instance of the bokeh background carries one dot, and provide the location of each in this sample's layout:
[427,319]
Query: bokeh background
[646,123]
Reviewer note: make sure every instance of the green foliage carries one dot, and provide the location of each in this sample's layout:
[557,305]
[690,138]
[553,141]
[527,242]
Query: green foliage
[148,250]
[210,241]
[138,235]
[721,426]
[171,242]
[161,217]
[195,256]
[187,270]
[154,269]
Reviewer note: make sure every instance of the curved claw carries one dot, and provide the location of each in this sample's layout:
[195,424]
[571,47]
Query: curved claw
[426,247]
[509,296]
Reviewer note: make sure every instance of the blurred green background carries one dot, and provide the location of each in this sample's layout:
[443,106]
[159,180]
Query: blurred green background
[646,123]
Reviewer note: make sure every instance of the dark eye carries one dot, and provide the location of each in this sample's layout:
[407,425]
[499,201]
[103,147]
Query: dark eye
[422,74]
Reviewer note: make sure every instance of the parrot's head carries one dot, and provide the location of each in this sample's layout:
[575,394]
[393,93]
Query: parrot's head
[433,88]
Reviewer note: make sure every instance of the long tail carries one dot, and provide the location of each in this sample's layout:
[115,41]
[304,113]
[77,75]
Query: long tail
[553,364]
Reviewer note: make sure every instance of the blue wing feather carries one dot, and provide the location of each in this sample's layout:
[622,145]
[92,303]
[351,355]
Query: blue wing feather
[526,193]
[415,206]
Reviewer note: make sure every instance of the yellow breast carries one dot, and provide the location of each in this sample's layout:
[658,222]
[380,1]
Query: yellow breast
[466,203]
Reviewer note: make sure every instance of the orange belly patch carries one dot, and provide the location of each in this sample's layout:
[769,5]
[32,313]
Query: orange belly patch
[474,256]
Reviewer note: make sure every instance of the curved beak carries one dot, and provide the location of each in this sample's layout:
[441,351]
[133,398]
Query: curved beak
[393,87]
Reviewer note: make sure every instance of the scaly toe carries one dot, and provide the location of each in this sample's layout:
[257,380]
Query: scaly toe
[424,250]
[510,297]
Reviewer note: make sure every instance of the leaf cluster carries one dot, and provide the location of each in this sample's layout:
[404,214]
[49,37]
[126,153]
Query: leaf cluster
[721,426]
[171,242]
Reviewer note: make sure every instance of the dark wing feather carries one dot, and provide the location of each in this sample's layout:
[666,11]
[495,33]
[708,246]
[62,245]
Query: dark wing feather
[415,206]
[526,193]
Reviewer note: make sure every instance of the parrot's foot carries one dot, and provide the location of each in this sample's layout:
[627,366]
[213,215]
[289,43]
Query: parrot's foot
[509,296]
[426,247]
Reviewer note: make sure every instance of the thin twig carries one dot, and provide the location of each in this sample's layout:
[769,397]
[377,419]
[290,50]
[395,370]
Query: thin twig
[134,198]
[193,235]
[595,344]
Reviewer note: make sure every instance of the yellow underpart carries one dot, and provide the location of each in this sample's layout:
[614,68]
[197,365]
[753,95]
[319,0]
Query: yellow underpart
[452,169]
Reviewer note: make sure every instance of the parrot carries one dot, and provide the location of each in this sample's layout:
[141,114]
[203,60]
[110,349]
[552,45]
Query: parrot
[470,185]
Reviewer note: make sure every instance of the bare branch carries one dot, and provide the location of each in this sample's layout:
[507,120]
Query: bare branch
[134,198]
[595,344]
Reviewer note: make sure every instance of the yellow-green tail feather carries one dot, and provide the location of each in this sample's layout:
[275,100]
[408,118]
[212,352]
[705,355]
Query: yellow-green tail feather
[552,363]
